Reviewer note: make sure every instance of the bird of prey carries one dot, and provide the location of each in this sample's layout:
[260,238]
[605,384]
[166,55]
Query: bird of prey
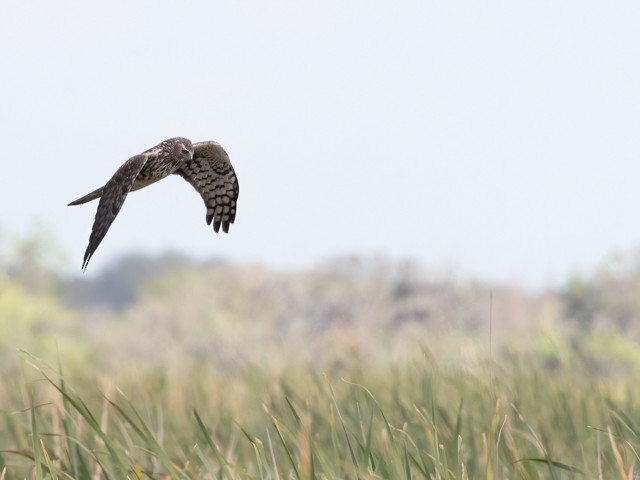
[205,165]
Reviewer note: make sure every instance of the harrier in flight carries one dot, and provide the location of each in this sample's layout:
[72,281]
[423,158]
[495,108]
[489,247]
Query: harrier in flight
[205,165]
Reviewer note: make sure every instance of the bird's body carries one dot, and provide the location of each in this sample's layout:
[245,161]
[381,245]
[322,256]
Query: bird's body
[205,165]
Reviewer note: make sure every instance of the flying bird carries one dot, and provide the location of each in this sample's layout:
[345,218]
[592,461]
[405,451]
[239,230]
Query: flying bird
[205,165]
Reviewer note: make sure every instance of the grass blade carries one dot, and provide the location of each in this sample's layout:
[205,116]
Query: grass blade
[221,460]
[35,442]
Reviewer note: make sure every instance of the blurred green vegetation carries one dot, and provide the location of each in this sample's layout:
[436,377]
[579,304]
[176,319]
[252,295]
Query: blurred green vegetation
[358,368]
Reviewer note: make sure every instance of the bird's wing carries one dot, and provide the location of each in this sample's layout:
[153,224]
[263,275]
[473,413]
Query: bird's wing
[113,195]
[210,172]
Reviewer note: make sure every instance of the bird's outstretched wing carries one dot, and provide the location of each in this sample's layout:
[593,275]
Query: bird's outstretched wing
[210,172]
[114,194]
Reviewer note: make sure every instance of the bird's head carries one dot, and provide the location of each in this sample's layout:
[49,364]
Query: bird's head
[182,149]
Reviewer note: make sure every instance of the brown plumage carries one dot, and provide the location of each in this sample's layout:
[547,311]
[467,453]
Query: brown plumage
[205,165]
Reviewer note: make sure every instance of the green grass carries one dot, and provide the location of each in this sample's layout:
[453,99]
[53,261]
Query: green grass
[416,420]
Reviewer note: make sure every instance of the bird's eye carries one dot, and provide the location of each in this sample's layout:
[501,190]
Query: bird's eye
[185,150]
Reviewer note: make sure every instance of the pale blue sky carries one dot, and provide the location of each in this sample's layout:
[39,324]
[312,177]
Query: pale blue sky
[500,137]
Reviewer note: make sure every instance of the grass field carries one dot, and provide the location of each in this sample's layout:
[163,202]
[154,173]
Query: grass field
[353,371]
[416,419]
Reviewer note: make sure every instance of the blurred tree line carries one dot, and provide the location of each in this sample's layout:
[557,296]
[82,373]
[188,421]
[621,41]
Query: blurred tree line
[610,298]
[163,311]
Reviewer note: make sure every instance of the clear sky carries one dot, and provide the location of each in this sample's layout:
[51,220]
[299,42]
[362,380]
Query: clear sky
[501,138]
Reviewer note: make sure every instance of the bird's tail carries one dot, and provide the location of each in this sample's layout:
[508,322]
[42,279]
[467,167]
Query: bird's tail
[88,197]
